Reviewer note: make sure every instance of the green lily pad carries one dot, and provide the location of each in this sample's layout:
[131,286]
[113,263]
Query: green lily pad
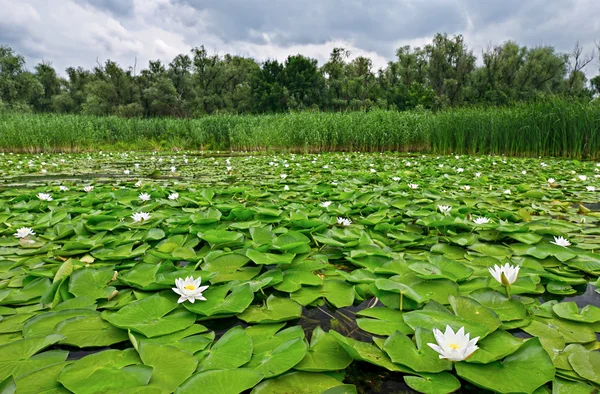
[89,331]
[297,383]
[587,365]
[522,372]
[338,292]
[570,311]
[438,383]
[221,381]
[92,282]
[222,300]
[152,316]
[170,366]
[276,310]
[232,350]
[419,357]
[385,321]
[324,354]
[280,359]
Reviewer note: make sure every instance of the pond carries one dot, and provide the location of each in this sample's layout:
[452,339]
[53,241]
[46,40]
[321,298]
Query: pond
[324,273]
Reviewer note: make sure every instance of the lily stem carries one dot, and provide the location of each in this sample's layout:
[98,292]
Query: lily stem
[507,291]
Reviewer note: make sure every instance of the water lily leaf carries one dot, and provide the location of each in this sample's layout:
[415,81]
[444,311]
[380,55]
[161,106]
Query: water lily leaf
[341,389]
[563,386]
[337,292]
[420,358]
[297,383]
[570,311]
[290,240]
[521,372]
[324,354]
[221,381]
[8,386]
[170,366]
[232,350]
[19,357]
[470,309]
[190,339]
[495,346]
[279,359]
[224,263]
[506,309]
[276,310]
[152,316]
[220,301]
[32,291]
[88,331]
[587,365]
[385,321]
[293,280]
[438,383]
[105,371]
[491,250]
[441,267]
[367,352]
[432,319]
[222,238]
[265,337]
[121,252]
[44,324]
[92,282]
[43,380]
[15,322]
[571,331]
[269,258]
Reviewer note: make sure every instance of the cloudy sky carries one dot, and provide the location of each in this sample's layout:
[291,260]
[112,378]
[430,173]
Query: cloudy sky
[77,32]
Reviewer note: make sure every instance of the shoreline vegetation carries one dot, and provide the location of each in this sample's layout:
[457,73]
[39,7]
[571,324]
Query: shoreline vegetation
[551,127]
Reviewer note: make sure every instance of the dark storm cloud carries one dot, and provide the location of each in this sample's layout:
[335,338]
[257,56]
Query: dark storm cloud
[114,7]
[373,24]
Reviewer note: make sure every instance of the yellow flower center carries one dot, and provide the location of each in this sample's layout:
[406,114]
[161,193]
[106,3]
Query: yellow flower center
[453,346]
[189,287]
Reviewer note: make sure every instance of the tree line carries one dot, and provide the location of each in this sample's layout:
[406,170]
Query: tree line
[442,74]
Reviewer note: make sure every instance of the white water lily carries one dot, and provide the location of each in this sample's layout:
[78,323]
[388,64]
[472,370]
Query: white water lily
[44,196]
[229,168]
[373,170]
[63,188]
[325,204]
[88,189]
[551,181]
[460,169]
[173,196]
[173,169]
[286,188]
[413,186]
[189,289]
[23,232]
[283,176]
[44,171]
[126,172]
[344,221]
[445,209]
[582,177]
[144,197]
[140,216]
[481,220]
[467,188]
[478,174]
[523,172]
[136,165]
[561,241]
[507,191]
[590,188]
[505,274]
[454,346]
[395,179]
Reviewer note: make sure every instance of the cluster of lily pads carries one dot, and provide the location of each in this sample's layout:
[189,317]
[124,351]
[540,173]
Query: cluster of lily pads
[158,273]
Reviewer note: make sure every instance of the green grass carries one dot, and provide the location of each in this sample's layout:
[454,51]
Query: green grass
[547,128]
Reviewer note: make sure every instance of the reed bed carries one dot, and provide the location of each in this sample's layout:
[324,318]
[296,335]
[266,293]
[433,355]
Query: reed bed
[554,127]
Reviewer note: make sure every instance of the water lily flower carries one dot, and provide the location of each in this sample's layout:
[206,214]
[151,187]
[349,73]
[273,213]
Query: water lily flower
[395,179]
[325,204]
[505,274]
[445,209]
[582,177]
[63,188]
[126,172]
[543,164]
[140,216]
[229,168]
[460,169]
[283,176]
[413,186]
[23,232]
[88,189]
[136,165]
[481,220]
[467,188]
[507,191]
[138,184]
[523,172]
[44,196]
[144,197]
[590,188]
[173,169]
[373,170]
[189,289]
[551,181]
[326,166]
[344,221]
[560,241]
[173,196]
[454,346]
[44,171]
[478,174]
[286,188]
